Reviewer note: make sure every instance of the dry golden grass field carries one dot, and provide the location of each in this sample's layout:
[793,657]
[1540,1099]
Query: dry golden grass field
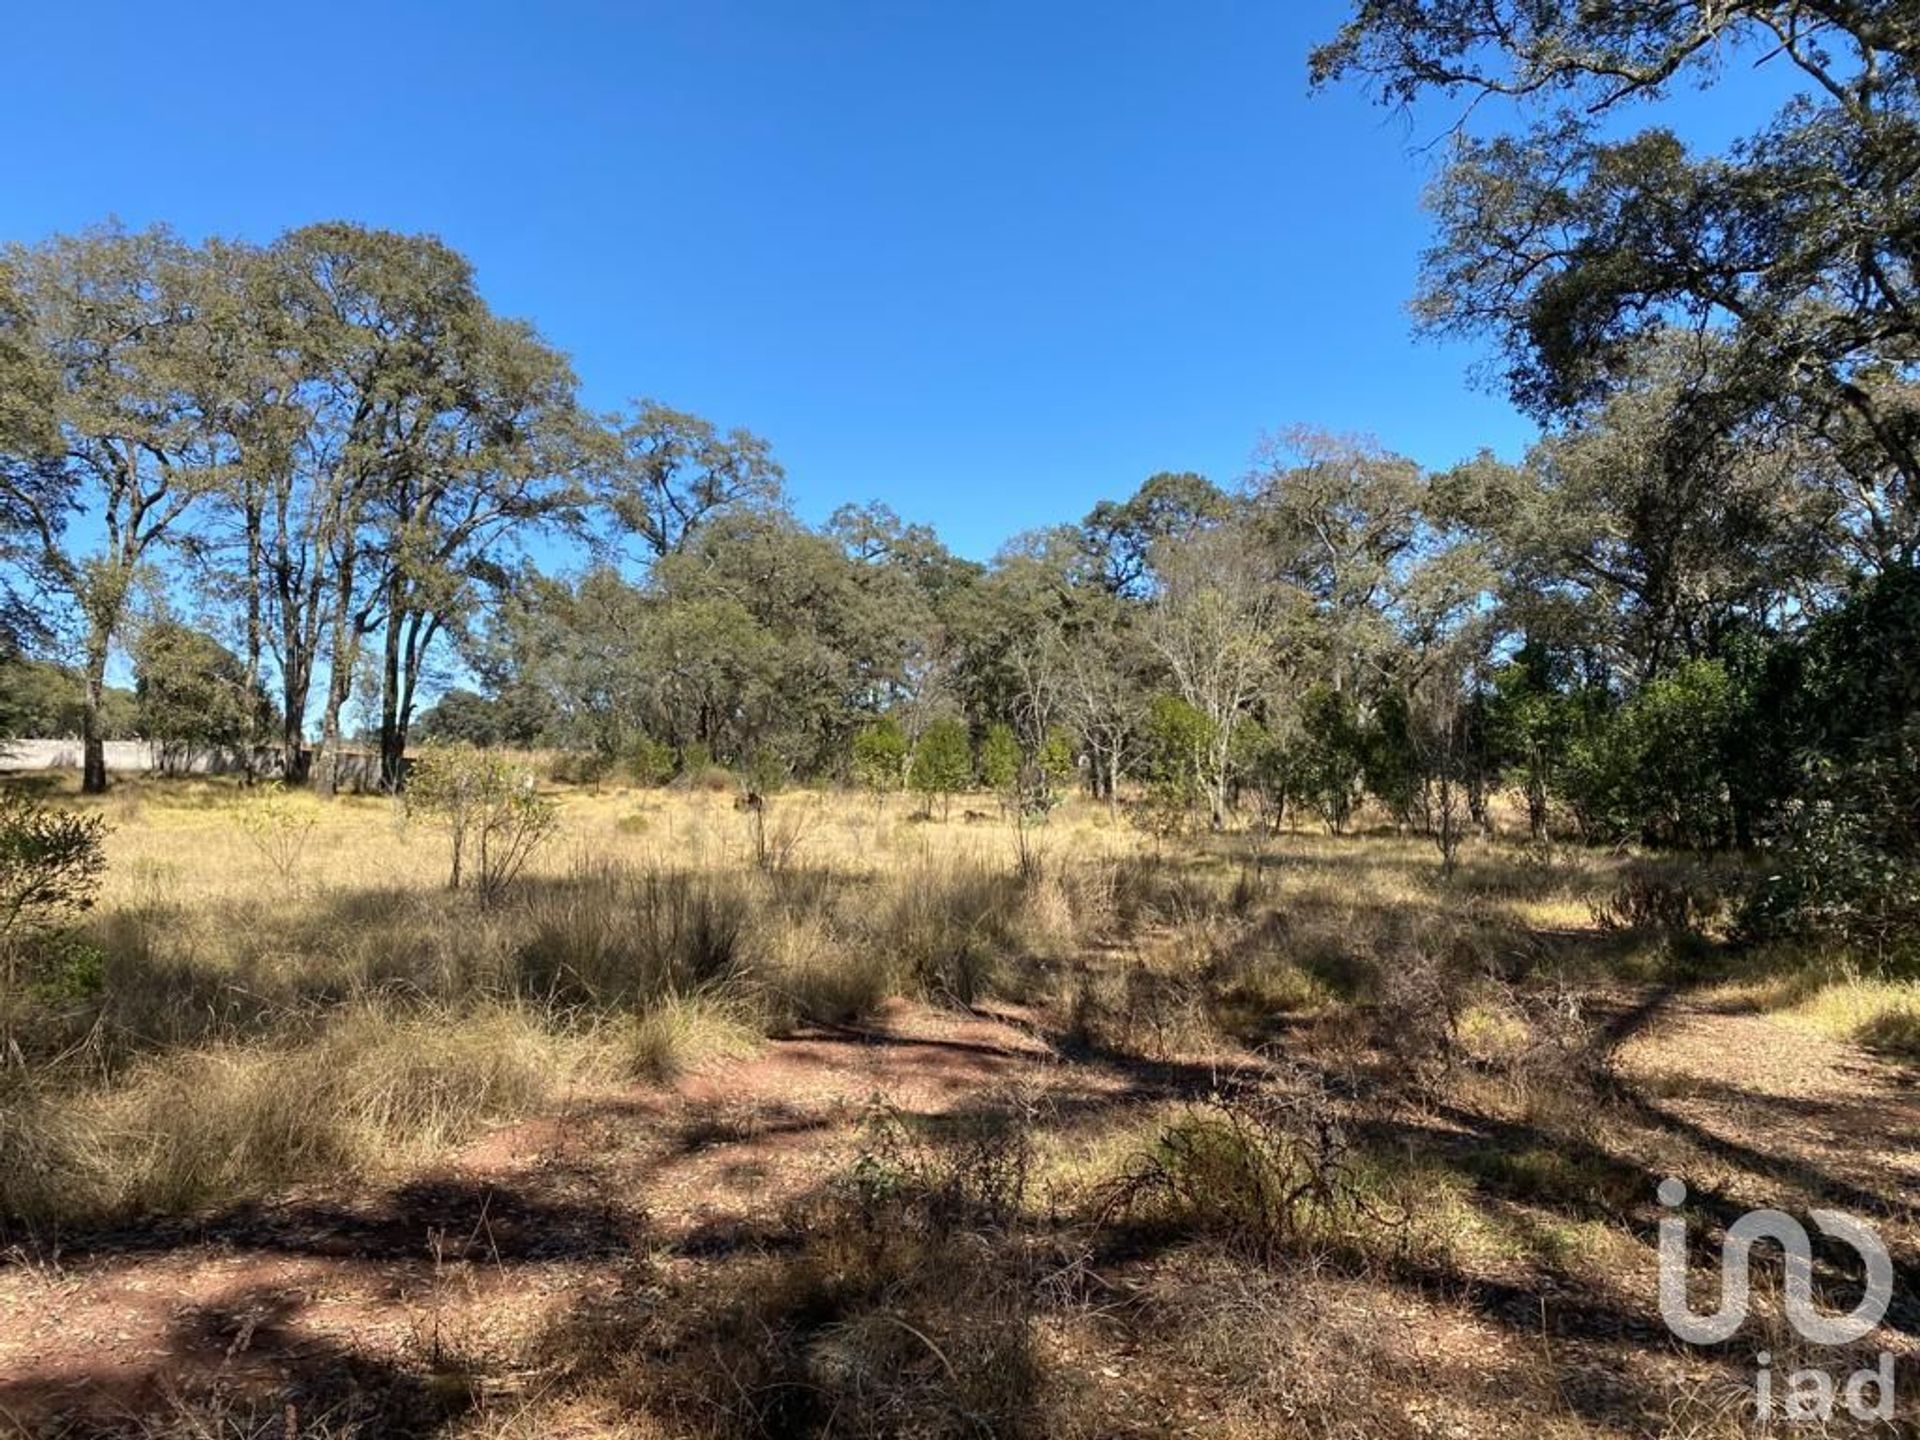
[854,1129]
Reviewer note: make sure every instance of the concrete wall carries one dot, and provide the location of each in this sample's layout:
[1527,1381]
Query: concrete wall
[358,771]
[136,757]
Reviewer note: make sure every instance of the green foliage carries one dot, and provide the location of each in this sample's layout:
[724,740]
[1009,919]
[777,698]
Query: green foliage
[649,762]
[50,867]
[1056,758]
[1644,229]
[1120,536]
[1331,762]
[65,967]
[1842,711]
[753,631]
[1678,726]
[462,717]
[1832,881]
[880,756]
[1177,739]
[1655,768]
[1846,704]
[1265,764]
[1530,724]
[489,809]
[1391,768]
[41,700]
[674,472]
[191,691]
[942,761]
[999,758]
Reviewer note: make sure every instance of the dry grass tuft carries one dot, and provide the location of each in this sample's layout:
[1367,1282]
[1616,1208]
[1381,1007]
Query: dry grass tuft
[679,1034]
[372,1088]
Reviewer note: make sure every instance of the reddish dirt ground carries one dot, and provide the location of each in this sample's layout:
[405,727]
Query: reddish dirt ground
[531,1215]
[616,1192]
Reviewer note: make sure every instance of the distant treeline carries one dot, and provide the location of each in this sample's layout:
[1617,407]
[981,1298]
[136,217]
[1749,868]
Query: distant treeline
[292,476]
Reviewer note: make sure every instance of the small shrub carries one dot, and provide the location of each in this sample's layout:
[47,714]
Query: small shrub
[1144,1011]
[1266,1169]
[962,1173]
[50,867]
[649,762]
[950,926]
[579,767]
[618,939]
[1149,890]
[1659,902]
[1417,1010]
[679,1033]
[487,807]
[278,828]
[815,975]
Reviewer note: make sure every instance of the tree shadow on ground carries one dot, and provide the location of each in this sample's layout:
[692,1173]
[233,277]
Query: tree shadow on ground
[453,1218]
[244,1367]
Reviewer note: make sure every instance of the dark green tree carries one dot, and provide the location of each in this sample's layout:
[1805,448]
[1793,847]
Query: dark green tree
[118,337]
[192,694]
[942,762]
[1577,239]
[670,472]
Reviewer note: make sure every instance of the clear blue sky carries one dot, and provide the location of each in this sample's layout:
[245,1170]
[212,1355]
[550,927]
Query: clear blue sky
[987,262]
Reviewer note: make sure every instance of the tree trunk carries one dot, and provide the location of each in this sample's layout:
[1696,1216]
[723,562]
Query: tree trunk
[292,733]
[255,639]
[326,765]
[392,741]
[93,748]
[1447,832]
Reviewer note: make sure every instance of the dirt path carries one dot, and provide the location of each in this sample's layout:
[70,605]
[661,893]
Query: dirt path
[1780,1115]
[483,1249]
[438,1278]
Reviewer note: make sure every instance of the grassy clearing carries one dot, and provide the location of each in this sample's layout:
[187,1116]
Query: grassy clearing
[370,1090]
[301,971]
[302,968]
[1289,1116]
[1836,1000]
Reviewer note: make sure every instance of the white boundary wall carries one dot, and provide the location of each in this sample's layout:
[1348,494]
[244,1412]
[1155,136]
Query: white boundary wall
[359,770]
[123,756]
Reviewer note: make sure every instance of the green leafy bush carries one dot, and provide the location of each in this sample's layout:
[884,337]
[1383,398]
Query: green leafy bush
[942,761]
[649,762]
[880,756]
[488,808]
[999,758]
[50,867]
[1832,880]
